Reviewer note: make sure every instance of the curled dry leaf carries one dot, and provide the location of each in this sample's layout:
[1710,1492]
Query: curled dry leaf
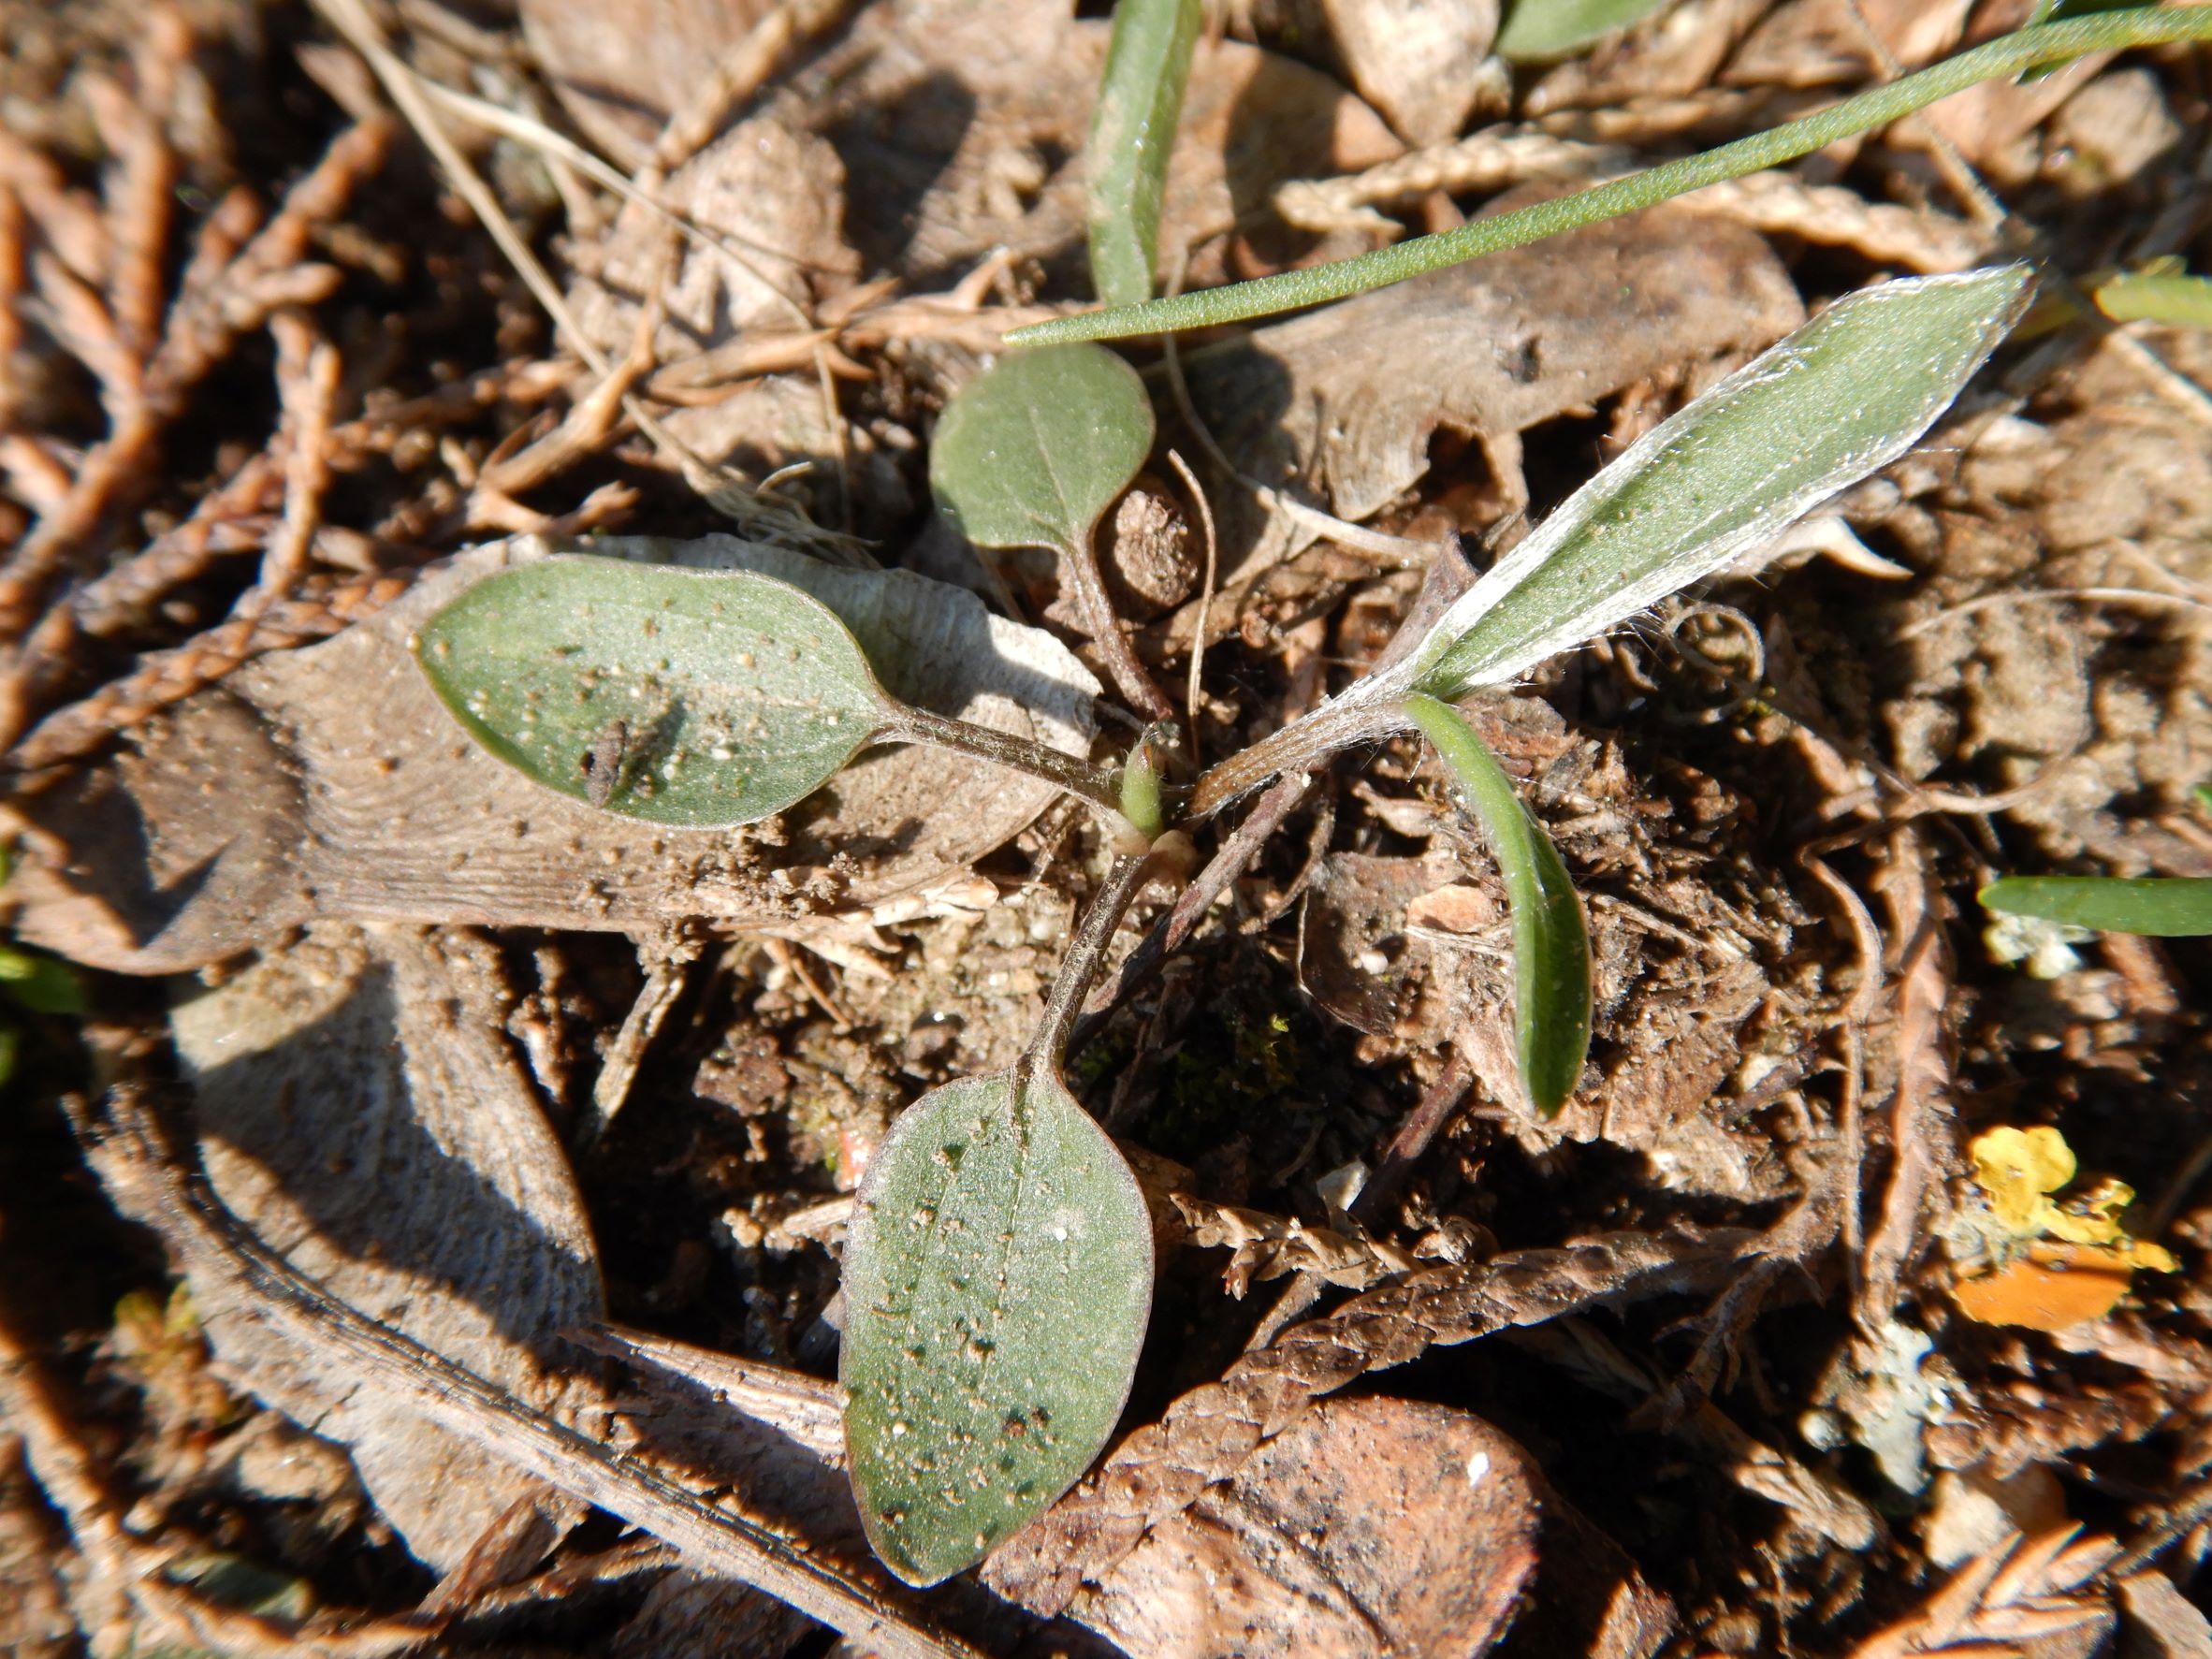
[1264,1247]
[1420,62]
[1205,1434]
[358,1106]
[331,783]
[1373,1527]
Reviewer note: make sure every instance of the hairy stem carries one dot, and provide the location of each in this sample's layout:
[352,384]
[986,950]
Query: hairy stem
[2025,49]
[1086,952]
[1080,558]
[1353,718]
[1098,785]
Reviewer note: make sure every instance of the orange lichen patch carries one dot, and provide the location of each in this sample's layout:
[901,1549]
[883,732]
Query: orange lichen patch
[2055,1284]
[2059,1264]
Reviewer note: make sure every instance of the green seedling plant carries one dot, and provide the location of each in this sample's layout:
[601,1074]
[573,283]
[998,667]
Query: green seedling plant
[998,1273]
[998,1266]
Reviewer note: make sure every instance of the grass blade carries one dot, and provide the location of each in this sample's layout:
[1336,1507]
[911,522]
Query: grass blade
[1551,942]
[2024,49]
[1132,135]
[2160,907]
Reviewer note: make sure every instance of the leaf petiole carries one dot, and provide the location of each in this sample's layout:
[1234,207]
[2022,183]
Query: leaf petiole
[1099,786]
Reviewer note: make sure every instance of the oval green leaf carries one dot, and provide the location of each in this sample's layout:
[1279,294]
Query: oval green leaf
[997,1283]
[2160,907]
[1032,450]
[1537,31]
[1850,391]
[1132,132]
[1551,942]
[697,698]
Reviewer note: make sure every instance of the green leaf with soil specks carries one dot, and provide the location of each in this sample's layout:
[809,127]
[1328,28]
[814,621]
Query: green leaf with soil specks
[2159,907]
[1847,393]
[697,698]
[1537,31]
[1551,942]
[1031,451]
[997,1283]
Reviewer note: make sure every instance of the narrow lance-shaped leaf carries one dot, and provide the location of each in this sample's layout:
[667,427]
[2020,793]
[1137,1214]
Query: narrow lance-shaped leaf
[1848,392]
[997,1283]
[1536,31]
[696,698]
[1131,136]
[1551,942]
[2161,907]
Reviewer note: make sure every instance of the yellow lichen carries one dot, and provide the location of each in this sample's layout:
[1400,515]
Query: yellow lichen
[2018,1169]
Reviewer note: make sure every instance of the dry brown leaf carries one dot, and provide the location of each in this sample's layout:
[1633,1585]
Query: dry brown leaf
[1820,42]
[1356,958]
[623,70]
[1372,1527]
[358,1105]
[963,125]
[774,198]
[1674,54]
[2165,1623]
[150,1176]
[331,783]
[2097,703]
[2029,1598]
[1162,1468]
[1420,62]
[1337,408]
[1456,907]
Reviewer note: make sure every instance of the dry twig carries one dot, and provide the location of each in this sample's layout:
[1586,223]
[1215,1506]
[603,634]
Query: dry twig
[159,1178]
[2017,1594]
